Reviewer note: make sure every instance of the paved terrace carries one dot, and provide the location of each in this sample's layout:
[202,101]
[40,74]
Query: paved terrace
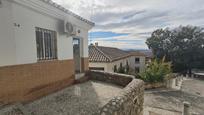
[81,99]
[100,94]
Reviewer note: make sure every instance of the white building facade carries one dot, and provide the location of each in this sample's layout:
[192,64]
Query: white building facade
[108,58]
[35,48]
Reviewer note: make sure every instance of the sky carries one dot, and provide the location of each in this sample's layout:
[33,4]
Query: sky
[126,24]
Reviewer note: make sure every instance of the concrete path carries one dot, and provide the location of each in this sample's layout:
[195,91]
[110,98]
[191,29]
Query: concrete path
[170,101]
[194,86]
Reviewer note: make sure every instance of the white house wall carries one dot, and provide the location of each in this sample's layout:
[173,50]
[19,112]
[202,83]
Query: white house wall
[18,44]
[103,65]
[141,63]
[84,33]
[109,67]
[7,41]
[117,63]
[26,39]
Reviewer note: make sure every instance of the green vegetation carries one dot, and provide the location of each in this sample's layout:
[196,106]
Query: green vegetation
[183,46]
[156,71]
[127,67]
[122,69]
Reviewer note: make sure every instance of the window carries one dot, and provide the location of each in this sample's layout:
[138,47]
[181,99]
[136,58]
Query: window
[137,60]
[137,69]
[46,44]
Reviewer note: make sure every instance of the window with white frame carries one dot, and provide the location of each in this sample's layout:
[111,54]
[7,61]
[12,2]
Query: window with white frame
[46,44]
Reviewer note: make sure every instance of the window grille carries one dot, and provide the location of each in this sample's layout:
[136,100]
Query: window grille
[46,44]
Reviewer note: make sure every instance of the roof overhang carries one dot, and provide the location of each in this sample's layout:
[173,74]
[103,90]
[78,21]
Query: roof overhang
[48,7]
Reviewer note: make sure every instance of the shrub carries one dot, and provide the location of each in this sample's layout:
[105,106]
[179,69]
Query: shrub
[127,68]
[156,71]
[115,68]
[121,69]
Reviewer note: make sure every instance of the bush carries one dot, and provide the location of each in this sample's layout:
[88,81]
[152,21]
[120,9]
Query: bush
[121,69]
[156,71]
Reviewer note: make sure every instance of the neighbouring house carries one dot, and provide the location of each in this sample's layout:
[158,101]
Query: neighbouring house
[110,59]
[148,54]
[42,47]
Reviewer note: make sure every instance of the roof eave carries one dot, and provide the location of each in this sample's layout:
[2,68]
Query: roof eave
[50,2]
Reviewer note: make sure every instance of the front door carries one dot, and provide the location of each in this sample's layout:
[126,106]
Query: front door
[77,56]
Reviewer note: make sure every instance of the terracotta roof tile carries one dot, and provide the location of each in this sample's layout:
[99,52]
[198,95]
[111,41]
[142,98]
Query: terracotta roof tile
[105,54]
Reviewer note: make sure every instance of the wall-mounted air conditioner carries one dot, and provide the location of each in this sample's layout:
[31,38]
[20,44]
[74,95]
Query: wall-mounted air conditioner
[69,28]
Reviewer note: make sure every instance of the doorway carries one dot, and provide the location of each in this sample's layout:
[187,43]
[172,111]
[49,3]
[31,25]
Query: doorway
[77,54]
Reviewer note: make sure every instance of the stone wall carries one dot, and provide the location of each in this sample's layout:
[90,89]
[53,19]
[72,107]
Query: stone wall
[115,78]
[129,101]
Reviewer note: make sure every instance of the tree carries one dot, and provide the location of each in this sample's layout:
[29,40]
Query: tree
[183,46]
[127,68]
[156,71]
[121,69]
[115,68]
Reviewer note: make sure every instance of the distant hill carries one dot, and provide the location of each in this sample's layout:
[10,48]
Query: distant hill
[147,52]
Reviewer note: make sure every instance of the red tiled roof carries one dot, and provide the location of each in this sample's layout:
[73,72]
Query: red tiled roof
[105,54]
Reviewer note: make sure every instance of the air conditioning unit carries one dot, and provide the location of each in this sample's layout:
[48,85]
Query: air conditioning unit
[69,28]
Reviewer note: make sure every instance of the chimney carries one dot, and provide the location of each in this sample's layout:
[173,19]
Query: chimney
[96,43]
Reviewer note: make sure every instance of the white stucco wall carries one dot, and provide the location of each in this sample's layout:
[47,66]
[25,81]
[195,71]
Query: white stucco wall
[141,63]
[84,35]
[117,63]
[103,65]
[18,44]
[7,41]
[26,39]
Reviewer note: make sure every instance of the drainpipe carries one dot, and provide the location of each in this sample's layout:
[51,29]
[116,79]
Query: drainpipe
[186,108]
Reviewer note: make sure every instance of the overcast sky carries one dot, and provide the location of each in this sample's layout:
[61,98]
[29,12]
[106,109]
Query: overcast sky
[127,23]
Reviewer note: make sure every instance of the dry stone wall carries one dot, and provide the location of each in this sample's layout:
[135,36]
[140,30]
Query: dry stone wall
[129,101]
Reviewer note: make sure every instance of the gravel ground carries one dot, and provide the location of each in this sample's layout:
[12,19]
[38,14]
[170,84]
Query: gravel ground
[80,99]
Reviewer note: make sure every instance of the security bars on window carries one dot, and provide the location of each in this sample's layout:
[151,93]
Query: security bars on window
[46,44]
